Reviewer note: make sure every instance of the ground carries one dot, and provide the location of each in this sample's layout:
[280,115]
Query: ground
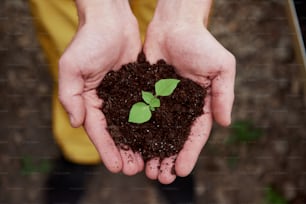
[260,157]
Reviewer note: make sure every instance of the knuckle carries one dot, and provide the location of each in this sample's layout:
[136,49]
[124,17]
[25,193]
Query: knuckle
[65,61]
[62,98]
[229,63]
[232,60]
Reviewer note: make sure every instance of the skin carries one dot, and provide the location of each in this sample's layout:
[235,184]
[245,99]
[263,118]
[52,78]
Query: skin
[180,37]
[108,37]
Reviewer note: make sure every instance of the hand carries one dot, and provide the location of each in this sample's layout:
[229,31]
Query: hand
[183,41]
[107,37]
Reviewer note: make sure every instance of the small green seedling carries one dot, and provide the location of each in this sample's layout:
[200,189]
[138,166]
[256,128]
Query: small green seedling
[141,112]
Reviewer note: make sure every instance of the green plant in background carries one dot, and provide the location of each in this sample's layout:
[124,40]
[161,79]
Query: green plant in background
[274,197]
[28,166]
[243,132]
[141,112]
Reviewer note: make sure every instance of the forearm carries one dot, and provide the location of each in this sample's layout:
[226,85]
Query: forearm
[189,11]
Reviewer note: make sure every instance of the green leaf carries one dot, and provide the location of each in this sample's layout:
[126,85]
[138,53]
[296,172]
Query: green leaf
[154,103]
[165,87]
[147,96]
[140,113]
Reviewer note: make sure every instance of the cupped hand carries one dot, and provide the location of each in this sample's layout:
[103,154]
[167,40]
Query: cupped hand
[107,37]
[197,55]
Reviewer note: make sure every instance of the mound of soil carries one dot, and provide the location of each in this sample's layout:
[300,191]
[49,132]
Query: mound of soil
[166,132]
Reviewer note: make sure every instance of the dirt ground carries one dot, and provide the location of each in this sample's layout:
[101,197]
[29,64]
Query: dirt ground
[259,159]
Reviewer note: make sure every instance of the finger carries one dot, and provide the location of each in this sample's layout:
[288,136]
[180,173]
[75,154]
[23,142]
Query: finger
[223,92]
[166,173]
[152,168]
[71,86]
[130,163]
[134,47]
[199,133]
[152,51]
[140,161]
[95,126]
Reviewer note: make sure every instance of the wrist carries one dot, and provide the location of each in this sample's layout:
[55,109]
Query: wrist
[94,9]
[182,11]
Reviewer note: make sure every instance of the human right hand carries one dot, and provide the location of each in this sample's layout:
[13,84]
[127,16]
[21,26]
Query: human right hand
[107,37]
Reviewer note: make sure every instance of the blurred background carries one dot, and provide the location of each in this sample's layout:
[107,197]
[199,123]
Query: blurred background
[261,158]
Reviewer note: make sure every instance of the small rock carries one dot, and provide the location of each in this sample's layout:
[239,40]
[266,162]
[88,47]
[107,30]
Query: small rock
[18,139]
[280,147]
[200,189]
[24,41]
[290,191]
[43,89]
[18,4]
[284,50]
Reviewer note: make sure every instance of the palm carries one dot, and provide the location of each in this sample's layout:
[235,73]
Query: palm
[198,56]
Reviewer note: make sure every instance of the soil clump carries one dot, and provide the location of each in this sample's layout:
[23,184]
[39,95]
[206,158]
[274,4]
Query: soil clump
[168,129]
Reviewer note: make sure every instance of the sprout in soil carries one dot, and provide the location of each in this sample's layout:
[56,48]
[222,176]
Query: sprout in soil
[141,112]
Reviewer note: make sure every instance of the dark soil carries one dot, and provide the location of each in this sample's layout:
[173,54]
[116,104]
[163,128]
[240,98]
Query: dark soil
[166,132]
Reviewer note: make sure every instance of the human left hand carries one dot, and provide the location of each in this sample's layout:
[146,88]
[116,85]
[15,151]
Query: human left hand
[184,42]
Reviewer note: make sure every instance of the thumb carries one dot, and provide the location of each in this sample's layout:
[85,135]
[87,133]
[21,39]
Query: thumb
[223,92]
[71,85]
